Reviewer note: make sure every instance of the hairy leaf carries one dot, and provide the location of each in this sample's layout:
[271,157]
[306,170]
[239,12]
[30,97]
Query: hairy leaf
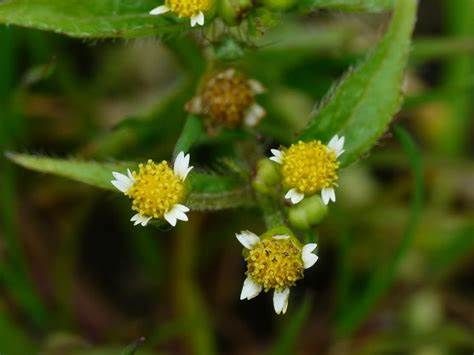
[350,5]
[88,172]
[208,191]
[88,18]
[214,192]
[363,104]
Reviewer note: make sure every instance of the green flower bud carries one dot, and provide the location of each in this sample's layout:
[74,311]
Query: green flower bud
[229,10]
[307,213]
[266,178]
[279,4]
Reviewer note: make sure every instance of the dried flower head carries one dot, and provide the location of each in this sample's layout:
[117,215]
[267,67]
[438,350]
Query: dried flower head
[228,99]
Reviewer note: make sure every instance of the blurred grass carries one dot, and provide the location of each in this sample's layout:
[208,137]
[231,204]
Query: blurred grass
[190,306]
[353,314]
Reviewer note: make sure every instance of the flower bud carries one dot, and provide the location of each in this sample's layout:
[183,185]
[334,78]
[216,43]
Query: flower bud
[307,213]
[230,10]
[279,4]
[266,178]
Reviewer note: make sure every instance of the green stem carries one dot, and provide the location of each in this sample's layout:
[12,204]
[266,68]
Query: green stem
[272,214]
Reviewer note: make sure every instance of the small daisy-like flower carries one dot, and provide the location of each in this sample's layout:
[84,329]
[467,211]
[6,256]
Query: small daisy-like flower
[274,262]
[156,190]
[228,98]
[192,9]
[310,167]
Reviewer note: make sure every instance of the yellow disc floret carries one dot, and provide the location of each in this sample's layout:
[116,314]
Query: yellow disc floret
[156,189]
[275,263]
[188,8]
[309,167]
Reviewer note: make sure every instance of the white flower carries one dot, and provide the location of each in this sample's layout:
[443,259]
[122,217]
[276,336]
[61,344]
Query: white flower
[157,191]
[310,167]
[264,266]
[184,8]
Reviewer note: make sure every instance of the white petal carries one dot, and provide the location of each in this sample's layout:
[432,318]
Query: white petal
[160,10]
[247,239]
[181,165]
[328,194]
[170,217]
[254,115]
[250,289]
[139,219]
[256,86]
[200,18]
[280,300]
[294,196]
[122,182]
[181,208]
[309,259]
[281,237]
[197,19]
[277,156]
[175,214]
[337,145]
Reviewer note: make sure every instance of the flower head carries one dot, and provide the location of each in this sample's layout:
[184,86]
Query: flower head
[156,190]
[228,98]
[274,262]
[192,9]
[310,167]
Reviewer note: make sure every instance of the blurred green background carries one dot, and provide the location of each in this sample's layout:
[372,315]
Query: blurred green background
[395,274]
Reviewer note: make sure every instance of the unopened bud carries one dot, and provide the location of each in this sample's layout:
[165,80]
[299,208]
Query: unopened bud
[307,213]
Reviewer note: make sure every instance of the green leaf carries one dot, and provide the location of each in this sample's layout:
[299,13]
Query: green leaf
[350,5]
[214,192]
[89,18]
[361,107]
[208,191]
[88,172]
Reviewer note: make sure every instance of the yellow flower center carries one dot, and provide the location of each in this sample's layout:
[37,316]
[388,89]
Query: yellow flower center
[226,97]
[156,189]
[188,8]
[309,167]
[275,263]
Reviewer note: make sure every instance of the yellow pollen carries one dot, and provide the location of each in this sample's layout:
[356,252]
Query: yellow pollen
[188,8]
[309,167]
[156,189]
[275,263]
